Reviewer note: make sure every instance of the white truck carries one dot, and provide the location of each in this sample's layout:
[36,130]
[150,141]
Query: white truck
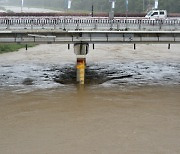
[156,14]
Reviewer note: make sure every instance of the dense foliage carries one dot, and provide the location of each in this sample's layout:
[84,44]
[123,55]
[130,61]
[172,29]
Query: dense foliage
[135,6]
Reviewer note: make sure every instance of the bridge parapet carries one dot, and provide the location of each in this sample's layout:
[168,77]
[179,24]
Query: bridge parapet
[87,23]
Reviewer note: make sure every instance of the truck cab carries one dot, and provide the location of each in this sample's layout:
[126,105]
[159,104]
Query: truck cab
[157,14]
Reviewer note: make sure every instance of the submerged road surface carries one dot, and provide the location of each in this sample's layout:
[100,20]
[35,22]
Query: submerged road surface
[130,103]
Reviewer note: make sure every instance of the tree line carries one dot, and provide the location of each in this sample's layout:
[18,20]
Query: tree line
[134,6]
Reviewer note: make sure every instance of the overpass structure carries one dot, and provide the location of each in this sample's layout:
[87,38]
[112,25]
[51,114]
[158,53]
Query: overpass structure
[84,31]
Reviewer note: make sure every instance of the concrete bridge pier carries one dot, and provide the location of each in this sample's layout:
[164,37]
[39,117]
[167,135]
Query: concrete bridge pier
[81,50]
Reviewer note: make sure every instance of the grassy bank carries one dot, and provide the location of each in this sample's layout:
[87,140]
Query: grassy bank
[13,47]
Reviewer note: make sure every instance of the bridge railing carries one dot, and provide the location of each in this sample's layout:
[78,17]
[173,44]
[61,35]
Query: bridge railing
[72,23]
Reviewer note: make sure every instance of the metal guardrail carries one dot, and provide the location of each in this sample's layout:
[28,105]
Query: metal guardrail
[68,37]
[87,23]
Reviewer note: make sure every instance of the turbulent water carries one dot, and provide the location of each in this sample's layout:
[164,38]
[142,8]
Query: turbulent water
[52,66]
[110,73]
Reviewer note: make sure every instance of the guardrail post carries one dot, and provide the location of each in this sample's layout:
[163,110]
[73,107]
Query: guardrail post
[64,24]
[139,21]
[117,25]
[54,26]
[95,25]
[77,26]
[169,46]
[111,24]
[160,24]
[8,24]
[174,24]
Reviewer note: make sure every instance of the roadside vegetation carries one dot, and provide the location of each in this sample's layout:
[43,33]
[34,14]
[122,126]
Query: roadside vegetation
[4,48]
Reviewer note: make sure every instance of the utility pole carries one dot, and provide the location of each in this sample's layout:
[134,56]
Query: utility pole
[127,8]
[22,4]
[143,6]
[156,3]
[69,4]
[111,14]
[92,9]
[126,13]
[65,5]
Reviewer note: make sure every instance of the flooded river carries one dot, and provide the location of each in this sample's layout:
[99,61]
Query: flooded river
[130,103]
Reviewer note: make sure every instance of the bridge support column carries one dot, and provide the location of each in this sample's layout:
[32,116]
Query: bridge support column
[81,50]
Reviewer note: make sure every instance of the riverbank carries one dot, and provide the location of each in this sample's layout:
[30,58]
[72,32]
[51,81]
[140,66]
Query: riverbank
[5,48]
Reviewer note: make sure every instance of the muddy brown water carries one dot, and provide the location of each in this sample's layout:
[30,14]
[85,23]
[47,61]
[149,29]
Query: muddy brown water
[130,104]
